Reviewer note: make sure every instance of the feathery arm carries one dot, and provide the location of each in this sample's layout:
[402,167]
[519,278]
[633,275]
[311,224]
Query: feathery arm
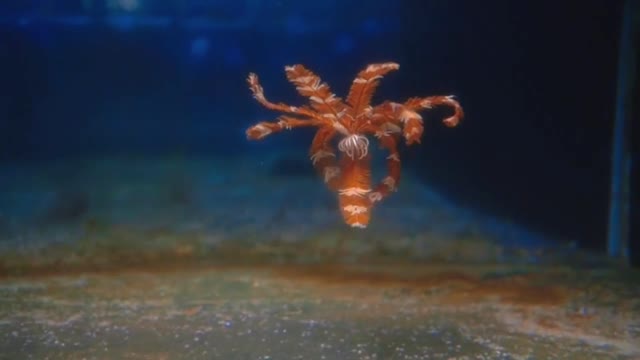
[258,94]
[284,122]
[323,157]
[365,84]
[417,104]
[311,86]
[406,115]
[398,116]
[390,182]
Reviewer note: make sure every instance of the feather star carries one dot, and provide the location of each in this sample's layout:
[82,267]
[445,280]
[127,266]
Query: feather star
[353,123]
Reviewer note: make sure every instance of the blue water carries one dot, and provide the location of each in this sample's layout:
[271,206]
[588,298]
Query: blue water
[146,80]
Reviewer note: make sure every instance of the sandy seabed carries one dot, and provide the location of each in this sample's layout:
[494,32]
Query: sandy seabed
[226,259]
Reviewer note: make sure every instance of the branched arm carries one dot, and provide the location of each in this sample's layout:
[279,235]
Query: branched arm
[365,84]
[406,115]
[417,104]
[390,183]
[258,94]
[284,122]
[323,157]
[396,116]
[311,86]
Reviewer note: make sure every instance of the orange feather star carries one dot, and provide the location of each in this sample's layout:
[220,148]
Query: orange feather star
[354,122]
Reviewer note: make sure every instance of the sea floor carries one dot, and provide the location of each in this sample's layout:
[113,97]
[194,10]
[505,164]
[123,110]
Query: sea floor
[214,259]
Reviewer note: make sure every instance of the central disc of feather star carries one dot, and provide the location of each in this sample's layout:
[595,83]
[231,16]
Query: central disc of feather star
[353,122]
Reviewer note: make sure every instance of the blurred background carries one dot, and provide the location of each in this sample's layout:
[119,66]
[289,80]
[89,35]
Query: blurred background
[146,79]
